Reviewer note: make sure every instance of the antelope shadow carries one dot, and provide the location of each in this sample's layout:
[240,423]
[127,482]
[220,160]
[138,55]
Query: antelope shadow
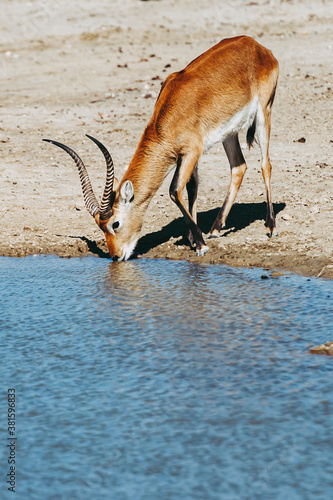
[93,246]
[241,215]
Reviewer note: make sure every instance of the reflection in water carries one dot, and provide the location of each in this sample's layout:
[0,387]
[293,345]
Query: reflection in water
[166,380]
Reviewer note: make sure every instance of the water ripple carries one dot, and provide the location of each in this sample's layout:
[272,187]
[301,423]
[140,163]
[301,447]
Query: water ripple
[166,380]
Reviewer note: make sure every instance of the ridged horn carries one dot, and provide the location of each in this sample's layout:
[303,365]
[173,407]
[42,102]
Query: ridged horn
[106,203]
[88,194]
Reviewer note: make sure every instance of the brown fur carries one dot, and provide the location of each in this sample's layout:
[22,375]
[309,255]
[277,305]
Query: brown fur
[193,102]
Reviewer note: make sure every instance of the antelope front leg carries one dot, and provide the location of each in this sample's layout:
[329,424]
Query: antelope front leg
[184,172]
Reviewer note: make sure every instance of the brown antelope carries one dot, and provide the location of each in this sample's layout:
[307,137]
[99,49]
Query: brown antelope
[228,88]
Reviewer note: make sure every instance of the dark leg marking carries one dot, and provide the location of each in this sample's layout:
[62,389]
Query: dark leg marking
[238,167]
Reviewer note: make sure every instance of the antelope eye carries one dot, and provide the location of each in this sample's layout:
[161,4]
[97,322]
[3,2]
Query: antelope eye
[115,225]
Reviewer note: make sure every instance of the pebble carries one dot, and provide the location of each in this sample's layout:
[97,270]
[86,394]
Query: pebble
[326,348]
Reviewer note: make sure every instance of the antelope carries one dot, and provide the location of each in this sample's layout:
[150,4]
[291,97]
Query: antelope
[230,87]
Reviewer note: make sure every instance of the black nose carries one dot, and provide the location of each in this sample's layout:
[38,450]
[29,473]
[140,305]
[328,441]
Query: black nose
[115,258]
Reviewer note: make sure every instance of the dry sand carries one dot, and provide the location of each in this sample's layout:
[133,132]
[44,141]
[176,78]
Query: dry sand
[71,68]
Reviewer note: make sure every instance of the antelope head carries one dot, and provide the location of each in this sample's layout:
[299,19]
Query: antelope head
[112,214]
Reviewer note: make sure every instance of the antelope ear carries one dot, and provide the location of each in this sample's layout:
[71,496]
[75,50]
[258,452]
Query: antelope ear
[126,192]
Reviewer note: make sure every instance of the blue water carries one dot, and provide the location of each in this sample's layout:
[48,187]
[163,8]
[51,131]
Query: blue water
[155,379]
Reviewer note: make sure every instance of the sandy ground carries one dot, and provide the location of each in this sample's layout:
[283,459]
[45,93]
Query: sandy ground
[71,68]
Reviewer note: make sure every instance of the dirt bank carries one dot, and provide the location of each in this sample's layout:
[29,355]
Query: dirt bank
[69,69]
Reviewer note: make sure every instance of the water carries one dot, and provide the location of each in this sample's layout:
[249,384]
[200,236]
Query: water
[155,379]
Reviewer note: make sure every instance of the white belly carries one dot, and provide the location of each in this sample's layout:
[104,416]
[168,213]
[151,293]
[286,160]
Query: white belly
[241,120]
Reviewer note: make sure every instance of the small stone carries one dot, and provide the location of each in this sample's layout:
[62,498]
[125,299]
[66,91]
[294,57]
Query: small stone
[277,274]
[286,217]
[326,348]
